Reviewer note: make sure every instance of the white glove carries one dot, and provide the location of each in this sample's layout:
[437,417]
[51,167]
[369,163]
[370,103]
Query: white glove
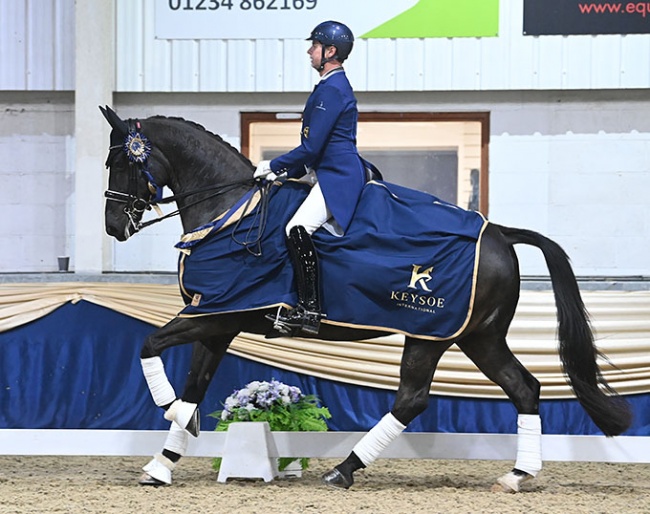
[263,171]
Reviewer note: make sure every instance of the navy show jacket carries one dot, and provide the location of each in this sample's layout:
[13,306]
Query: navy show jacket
[328,144]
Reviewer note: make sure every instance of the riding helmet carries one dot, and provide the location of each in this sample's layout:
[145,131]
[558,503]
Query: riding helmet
[334,33]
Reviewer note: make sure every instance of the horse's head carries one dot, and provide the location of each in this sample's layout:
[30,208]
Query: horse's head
[131,183]
[205,173]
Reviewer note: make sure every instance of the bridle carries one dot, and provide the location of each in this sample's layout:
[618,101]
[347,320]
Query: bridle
[137,148]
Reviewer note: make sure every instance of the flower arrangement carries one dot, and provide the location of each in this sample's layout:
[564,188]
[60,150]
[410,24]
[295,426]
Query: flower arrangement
[284,408]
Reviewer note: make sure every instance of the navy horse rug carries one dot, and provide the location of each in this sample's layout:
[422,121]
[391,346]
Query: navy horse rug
[407,263]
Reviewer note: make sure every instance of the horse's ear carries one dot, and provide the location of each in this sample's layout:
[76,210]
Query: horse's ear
[115,121]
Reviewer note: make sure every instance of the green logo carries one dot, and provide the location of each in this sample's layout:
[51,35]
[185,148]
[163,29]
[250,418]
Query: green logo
[442,18]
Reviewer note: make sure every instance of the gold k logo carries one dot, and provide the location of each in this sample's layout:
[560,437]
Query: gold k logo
[420,278]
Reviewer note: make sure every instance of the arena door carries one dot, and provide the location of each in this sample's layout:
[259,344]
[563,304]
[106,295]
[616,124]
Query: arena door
[445,154]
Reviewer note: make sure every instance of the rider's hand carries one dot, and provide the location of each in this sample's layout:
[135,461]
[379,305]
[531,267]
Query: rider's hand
[264,171]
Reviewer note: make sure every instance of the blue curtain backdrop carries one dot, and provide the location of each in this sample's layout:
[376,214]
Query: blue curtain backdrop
[79,368]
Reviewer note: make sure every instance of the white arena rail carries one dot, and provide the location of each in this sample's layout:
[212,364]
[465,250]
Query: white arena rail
[409,445]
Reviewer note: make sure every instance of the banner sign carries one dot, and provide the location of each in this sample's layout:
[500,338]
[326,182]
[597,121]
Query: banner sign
[294,19]
[574,17]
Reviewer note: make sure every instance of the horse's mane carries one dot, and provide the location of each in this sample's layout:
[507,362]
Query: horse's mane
[227,146]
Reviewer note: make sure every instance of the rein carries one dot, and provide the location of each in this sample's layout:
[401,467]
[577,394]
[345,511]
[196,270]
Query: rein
[262,215]
[218,190]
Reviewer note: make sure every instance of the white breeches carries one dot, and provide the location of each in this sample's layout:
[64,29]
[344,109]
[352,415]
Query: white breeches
[312,213]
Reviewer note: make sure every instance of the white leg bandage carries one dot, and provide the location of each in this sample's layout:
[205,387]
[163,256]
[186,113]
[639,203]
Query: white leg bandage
[176,440]
[381,435]
[529,443]
[159,386]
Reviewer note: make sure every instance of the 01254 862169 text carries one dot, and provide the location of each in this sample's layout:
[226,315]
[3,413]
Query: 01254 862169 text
[241,5]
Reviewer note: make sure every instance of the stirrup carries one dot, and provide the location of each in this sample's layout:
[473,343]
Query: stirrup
[280,328]
[290,322]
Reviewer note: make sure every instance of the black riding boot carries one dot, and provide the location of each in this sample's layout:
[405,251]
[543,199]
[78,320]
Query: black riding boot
[307,315]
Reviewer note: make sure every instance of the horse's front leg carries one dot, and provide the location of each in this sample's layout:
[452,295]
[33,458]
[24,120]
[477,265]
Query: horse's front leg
[419,362]
[205,360]
[176,332]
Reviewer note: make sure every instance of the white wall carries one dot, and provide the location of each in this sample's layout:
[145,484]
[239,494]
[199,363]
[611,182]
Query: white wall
[37,42]
[577,168]
[37,39]
[571,162]
[572,165]
[510,61]
[37,193]
[587,191]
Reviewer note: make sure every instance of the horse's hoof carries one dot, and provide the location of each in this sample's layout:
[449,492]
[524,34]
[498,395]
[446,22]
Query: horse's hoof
[510,482]
[158,471]
[498,488]
[147,479]
[186,415]
[334,478]
[194,424]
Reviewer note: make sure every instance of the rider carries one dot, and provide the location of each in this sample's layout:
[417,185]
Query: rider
[328,148]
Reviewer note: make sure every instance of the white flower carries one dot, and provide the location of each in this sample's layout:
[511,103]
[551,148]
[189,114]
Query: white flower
[231,403]
[260,395]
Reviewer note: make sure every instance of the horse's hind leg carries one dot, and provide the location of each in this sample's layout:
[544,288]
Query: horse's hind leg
[205,360]
[493,357]
[419,362]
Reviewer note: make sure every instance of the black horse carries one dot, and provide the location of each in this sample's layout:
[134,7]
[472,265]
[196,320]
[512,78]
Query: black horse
[207,176]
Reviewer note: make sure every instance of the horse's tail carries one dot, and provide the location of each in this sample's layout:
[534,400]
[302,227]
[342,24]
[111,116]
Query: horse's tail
[578,353]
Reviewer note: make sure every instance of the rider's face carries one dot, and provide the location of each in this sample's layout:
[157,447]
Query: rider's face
[315,54]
